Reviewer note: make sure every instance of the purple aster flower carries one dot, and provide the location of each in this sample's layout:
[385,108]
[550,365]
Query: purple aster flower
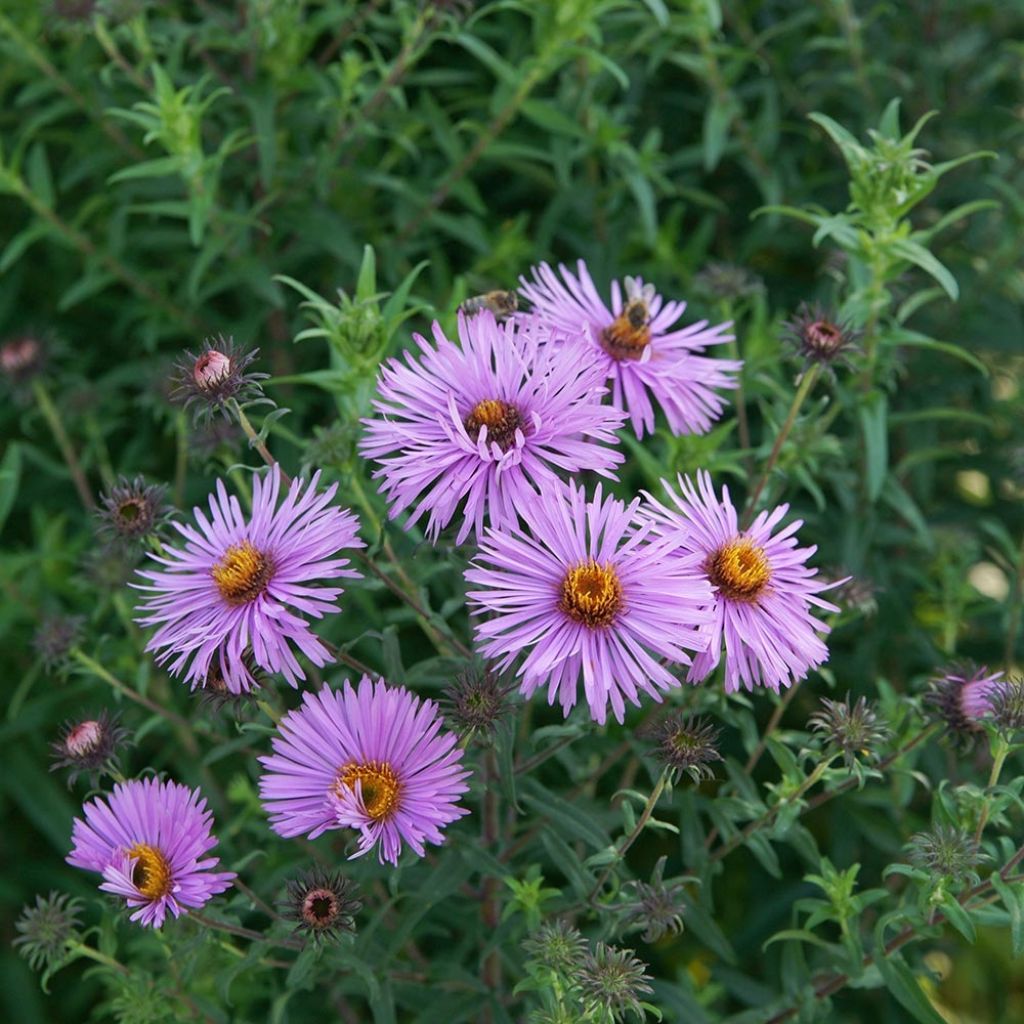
[492,420]
[764,589]
[587,591]
[148,840]
[373,759]
[964,695]
[241,584]
[638,348]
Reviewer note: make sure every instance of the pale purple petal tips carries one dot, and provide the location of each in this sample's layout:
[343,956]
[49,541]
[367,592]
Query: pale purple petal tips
[149,840]
[474,430]
[586,593]
[640,349]
[374,759]
[242,583]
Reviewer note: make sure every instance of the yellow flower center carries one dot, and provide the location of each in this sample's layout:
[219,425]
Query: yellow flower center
[243,573]
[739,570]
[591,594]
[628,334]
[501,418]
[152,873]
[378,784]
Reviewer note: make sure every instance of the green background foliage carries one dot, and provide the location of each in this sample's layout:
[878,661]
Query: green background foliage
[320,178]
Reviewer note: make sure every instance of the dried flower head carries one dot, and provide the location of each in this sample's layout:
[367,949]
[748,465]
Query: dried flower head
[557,946]
[475,703]
[613,980]
[109,567]
[131,510]
[817,335]
[656,906]
[962,697]
[45,929]
[55,638]
[724,281]
[88,746]
[685,744]
[215,375]
[853,729]
[322,904]
[22,357]
[947,851]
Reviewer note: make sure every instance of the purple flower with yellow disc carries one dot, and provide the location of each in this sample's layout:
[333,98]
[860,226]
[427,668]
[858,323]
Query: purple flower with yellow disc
[149,840]
[639,347]
[373,759]
[588,592]
[246,583]
[764,589]
[487,424]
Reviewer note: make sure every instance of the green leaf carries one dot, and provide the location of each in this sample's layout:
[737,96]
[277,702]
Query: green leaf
[1013,899]
[900,980]
[921,257]
[874,425]
[959,918]
[10,478]
[915,339]
[719,117]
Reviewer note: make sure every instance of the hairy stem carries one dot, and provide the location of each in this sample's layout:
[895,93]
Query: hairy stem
[60,435]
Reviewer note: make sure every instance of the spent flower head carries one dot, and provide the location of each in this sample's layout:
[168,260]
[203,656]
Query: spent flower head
[818,335]
[947,851]
[323,904]
[853,729]
[44,930]
[216,374]
[475,703]
[55,638]
[685,745]
[657,906]
[131,510]
[613,980]
[722,282]
[854,593]
[88,746]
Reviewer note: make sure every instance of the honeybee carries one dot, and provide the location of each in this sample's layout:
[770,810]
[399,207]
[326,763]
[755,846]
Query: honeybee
[638,303]
[501,303]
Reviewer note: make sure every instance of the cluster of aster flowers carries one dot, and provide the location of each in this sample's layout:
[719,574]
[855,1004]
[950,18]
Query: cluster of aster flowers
[571,586]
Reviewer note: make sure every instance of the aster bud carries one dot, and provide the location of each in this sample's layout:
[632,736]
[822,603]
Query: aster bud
[131,510]
[947,851]
[854,593]
[475,703]
[612,980]
[851,729]
[1006,703]
[55,638]
[44,930]
[684,744]
[817,335]
[557,946]
[215,375]
[322,904]
[22,357]
[217,695]
[88,747]
[962,698]
[656,906]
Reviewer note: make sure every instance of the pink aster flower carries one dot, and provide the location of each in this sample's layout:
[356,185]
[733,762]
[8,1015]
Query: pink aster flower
[587,592]
[490,421]
[372,759]
[242,583]
[764,589]
[636,343]
[149,839]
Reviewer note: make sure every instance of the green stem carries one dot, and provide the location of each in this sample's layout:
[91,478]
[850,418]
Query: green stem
[56,425]
[180,458]
[999,755]
[641,822]
[803,390]
[254,440]
[94,954]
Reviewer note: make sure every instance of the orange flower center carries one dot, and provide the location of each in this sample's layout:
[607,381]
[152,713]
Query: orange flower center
[628,334]
[378,784]
[501,418]
[152,873]
[591,594]
[739,570]
[242,574]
